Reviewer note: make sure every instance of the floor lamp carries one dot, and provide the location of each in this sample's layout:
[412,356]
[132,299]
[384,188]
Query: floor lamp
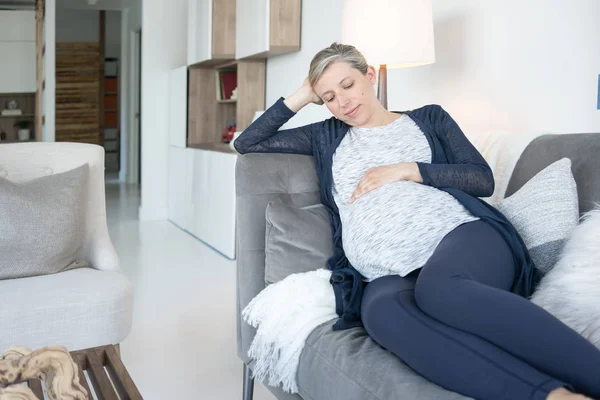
[390,34]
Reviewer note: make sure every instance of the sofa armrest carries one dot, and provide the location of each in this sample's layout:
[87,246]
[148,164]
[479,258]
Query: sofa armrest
[260,179]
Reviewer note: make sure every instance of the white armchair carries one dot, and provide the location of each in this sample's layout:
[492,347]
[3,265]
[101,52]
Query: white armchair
[79,308]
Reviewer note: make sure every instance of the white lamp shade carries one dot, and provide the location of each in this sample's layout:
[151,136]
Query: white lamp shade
[398,33]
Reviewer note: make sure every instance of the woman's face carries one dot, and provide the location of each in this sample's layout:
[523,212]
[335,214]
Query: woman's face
[347,93]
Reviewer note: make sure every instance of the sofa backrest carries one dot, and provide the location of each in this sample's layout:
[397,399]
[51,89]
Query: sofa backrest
[582,149]
[260,179]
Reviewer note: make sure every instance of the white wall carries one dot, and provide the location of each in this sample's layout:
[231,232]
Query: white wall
[113,34]
[49,96]
[501,65]
[131,22]
[73,25]
[164,47]
[77,25]
[321,26]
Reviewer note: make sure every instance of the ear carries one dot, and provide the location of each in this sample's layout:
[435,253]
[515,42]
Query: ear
[372,74]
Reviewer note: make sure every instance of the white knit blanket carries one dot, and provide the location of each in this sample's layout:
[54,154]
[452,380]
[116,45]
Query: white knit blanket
[286,312]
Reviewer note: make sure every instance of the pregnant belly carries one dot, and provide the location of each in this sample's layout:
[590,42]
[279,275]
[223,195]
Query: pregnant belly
[395,228]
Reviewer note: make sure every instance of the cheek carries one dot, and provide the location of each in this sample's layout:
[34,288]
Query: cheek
[331,107]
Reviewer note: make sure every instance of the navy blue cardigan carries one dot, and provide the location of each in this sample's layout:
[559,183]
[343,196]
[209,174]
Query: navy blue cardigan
[456,168]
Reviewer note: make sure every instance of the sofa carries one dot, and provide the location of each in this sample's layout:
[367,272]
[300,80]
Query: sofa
[79,308]
[348,365]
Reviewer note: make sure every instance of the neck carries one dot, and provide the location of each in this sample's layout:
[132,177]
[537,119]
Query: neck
[380,117]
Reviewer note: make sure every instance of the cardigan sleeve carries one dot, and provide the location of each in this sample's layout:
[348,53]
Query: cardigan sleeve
[264,136]
[466,170]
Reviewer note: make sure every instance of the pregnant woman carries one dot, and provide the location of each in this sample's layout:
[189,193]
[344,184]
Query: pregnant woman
[435,275]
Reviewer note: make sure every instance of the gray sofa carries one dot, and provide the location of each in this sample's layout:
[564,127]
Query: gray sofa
[347,364]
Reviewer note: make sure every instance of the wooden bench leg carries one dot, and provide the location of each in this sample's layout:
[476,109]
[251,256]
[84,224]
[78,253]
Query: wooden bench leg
[248,392]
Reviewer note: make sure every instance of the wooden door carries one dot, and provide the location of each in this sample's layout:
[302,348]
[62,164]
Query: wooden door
[78,78]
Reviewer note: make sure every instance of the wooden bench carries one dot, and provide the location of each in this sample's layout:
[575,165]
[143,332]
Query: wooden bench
[108,376]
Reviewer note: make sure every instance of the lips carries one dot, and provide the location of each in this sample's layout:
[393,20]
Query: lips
[352,112]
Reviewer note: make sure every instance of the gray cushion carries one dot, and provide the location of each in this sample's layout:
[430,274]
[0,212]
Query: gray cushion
[298,239]
[544,211]
[581,148]
[349,365]
[42,224]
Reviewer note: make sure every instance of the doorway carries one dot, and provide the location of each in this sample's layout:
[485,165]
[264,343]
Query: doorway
[135,140]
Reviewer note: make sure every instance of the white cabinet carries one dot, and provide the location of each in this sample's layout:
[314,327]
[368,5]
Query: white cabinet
[199,30]
[213,198]
[17,47]
[211,30]
[178,103]
[252,28]
[202,196]
[180,206]
[267,27]
[17,26]
[17,68]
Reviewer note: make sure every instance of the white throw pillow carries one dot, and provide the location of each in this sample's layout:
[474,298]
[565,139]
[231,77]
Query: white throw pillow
[571,290]
[544,212]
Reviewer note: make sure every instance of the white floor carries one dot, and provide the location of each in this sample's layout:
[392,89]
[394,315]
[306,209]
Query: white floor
[183,341]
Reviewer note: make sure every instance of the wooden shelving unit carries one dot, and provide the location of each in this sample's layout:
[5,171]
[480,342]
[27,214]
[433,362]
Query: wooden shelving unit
[202,167]
[7,122]
[209,117]
[233,24]
[111,131]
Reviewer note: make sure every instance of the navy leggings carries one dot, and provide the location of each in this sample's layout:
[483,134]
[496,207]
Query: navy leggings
[456,322]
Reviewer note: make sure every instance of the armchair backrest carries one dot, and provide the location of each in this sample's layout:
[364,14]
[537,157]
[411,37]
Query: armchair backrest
[21,162]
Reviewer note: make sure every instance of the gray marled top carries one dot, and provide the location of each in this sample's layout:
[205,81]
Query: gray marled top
[393,229]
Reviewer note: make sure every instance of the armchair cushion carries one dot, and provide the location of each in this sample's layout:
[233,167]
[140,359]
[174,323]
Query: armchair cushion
[42,224]
[77,309]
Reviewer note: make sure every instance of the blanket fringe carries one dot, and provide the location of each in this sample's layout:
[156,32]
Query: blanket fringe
[285,313]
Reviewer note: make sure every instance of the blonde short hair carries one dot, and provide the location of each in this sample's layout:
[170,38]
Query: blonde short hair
[334,53]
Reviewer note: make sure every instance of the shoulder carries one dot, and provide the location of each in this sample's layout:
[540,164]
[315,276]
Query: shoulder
[331,126]
[427,112]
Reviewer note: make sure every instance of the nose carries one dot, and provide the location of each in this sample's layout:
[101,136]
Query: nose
[343,101]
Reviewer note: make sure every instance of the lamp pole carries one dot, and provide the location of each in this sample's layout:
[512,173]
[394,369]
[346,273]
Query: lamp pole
[382,85]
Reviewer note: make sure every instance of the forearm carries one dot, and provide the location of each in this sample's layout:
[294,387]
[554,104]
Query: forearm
[465,168]
[263,128]
[474,179]
[264,134]
[298,100]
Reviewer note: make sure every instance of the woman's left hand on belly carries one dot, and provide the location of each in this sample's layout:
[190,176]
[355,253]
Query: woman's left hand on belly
[379,176]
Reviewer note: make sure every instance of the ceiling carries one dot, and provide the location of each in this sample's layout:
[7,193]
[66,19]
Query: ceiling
[17,4]
[94,4]
[81,4]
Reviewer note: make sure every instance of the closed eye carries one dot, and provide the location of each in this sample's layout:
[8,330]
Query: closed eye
[345,87]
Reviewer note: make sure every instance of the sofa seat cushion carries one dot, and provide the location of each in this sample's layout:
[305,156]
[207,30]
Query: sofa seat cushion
[77,309]
[349,365]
